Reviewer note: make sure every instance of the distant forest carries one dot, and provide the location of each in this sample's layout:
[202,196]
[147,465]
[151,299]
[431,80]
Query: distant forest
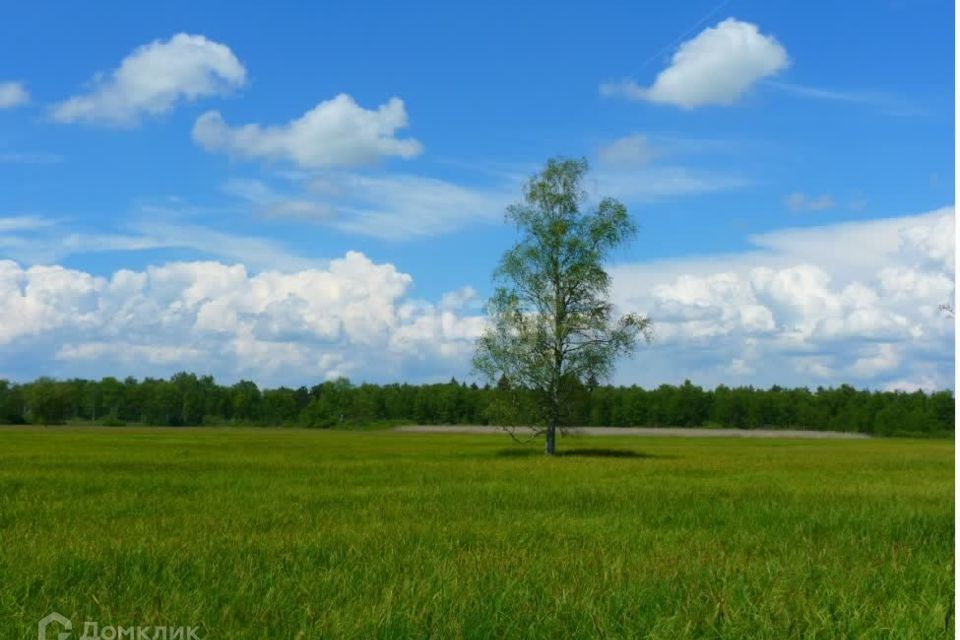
[187,399]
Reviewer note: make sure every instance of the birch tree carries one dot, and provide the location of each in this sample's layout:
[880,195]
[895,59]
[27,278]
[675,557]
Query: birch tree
[552,327]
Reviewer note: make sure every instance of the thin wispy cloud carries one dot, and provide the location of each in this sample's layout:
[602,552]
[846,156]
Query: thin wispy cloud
[651,184]
[25,223]
[884,102]
[34,240]
[400,207]
[388,206]
[798,201]
[13,94]
[634,150]
[29,157]
[643,149]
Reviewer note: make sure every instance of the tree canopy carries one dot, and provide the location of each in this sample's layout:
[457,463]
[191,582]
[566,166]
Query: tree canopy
[187,399]
[552,326]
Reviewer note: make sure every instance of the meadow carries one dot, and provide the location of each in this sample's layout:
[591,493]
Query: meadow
[289,533]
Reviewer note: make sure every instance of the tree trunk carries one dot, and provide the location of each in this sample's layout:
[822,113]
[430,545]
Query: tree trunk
[551,444]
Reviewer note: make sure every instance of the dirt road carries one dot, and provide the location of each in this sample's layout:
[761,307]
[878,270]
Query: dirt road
[656,432]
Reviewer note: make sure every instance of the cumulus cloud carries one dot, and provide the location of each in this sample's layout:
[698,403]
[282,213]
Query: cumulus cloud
[739,367]
[922,383]
[13,94]
[877,360]
[459,299]
[853,302]
[335,132]
[153,79]
[717,66]
[354,318]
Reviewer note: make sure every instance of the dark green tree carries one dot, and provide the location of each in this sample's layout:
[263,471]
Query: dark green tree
[48,401]
[245,402]
[12,404]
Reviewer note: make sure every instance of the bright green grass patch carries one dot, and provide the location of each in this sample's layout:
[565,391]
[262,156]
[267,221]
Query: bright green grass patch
[257,533]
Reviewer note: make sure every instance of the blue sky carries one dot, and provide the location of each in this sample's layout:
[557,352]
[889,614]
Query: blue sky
[355,147]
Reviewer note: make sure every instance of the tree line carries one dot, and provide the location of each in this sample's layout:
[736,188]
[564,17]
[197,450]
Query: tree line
[188,399]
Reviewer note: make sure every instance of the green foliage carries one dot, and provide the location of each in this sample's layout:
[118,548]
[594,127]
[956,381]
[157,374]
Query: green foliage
[12,403]
[189,400]
[552,326]
[48,401]
[260,533]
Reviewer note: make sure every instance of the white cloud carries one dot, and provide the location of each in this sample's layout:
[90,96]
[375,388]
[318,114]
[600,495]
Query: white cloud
[878,359]
[852,302]
[921,383]
[884,102]
[336,132]
[634,150]
[401,206]
[40,240]
[717,66]
[300,209]
[798,201]
[129,353]
[459,299]
[630,169]
[153,79]
[13,94]
[902,283]
[24,223]
[406,206]
[739,367]
[646,184]
[353,318]
[253,250]
[388,206]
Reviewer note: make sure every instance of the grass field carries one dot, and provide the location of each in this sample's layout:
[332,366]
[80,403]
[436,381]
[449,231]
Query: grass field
[291,533]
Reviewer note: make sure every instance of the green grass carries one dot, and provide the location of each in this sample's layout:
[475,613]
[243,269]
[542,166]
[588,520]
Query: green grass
[257,533]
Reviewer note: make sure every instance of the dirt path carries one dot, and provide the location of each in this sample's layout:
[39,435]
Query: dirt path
[657,432]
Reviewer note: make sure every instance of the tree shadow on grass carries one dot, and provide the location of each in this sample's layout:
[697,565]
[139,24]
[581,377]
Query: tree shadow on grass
[529,452]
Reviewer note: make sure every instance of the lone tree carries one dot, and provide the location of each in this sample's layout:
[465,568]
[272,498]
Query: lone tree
[552,328]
